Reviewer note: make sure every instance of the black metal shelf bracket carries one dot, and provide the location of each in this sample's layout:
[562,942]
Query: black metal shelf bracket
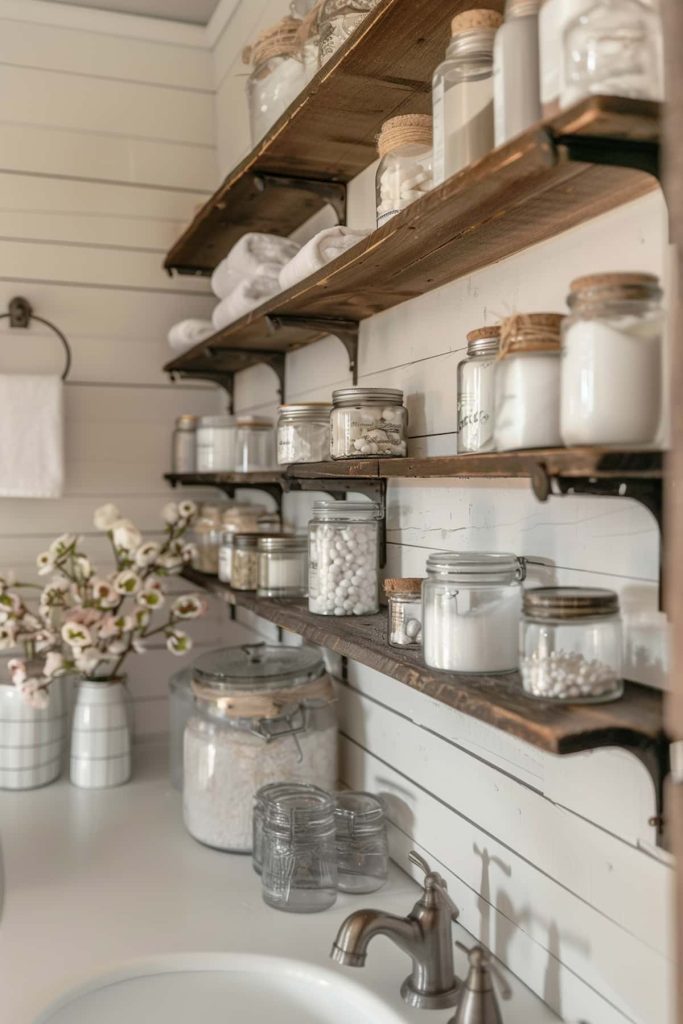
[224,378]
[656,758]
[339,488]
[346,331]
[639,155]
[332,192]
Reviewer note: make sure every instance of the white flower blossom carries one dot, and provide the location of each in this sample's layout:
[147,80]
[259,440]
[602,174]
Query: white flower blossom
[188,553]
[17,671]
[117,647]
[170,563]
[6,637]
[142,617]
[45,563]
[83,567]
[147,554]
[54,664]
[127,582]
[61,545]
[86,661]
[178,642]
[106,516]
[76,635]
[35,694]
[126,536]
[108,627]
[188,606]
[187,509]
[104,593]
[150,598]
[139,645]
[170,513]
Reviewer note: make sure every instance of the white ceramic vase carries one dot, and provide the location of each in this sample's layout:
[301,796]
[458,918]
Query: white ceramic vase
[100,736]
[31,740]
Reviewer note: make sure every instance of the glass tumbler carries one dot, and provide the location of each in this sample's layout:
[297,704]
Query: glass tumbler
[362,849]
[299,872]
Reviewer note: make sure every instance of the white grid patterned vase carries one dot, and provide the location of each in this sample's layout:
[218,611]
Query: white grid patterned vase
[100,736]
[31,739]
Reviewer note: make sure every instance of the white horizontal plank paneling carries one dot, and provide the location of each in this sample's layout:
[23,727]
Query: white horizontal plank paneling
[152,30]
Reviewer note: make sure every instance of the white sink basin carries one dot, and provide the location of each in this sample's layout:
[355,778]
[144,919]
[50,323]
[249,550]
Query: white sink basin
[220,988]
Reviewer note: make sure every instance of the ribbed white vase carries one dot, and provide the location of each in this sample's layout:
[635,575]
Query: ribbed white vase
[31,740]
[100,736]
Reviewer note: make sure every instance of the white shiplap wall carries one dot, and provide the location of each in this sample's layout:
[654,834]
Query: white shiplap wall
[551,860]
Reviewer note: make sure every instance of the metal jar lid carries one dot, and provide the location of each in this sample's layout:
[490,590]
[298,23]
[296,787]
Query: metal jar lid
[216,421]
[484,567]
[248,541]
[186,422]
[282,543]
[254,423]
[569,602]
[315,412]
[483,341]
[346,510]
[360,396]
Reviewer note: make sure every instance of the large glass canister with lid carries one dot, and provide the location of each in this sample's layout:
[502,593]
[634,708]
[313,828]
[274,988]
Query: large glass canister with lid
[299,869]
[462,94]
[263,713]
[184,445]
[343,558]
[337,20]
[282,566]
[277,75]
[255,444]
[216,444]
[404,173]
[476,390]
[367,422]
[472,602]
[611,381]
[571,644]
[303,433]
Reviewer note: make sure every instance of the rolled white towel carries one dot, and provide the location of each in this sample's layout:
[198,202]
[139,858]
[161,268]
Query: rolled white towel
[252,251]
[320,250]
[188,333]
[245,297]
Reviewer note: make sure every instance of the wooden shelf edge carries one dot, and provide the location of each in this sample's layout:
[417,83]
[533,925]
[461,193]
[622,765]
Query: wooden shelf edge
[225,479]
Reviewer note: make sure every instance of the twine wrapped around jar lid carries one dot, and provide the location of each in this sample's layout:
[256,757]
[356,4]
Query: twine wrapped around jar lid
[405,130]
[280,40]
[407,585]
[530,332]
[614,287]
[472,21]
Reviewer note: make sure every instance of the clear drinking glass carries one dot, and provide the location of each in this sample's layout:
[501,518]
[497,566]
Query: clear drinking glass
[362,848]
[299,871]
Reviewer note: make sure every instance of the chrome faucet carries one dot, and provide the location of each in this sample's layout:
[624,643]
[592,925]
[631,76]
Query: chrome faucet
[425,935]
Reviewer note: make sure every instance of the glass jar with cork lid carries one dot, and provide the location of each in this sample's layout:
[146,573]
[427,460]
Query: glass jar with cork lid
[277,74]
[476,384]
[405,168]
[527,382]
[404,612]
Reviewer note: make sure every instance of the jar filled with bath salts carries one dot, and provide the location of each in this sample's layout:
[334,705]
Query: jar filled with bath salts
[343,558]
[216,444]
[242,519]
[303,433]
[337,20]
[255,444]
[572,644]
[263,713]
[404,617]
[405,168]
[244,574]
[282,566]
[472,603]
[612,360]
[206,537]
[277,76]
[367,422]
[476,376]
[184,445]
[527,383]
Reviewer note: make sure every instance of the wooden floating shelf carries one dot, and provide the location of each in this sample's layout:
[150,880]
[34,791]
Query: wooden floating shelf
[255,479]
[520,194]
[635,721]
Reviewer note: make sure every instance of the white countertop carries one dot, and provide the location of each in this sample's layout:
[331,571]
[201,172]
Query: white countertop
[92,880]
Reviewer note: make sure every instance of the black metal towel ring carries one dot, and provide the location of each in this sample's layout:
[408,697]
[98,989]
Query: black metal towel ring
[20,315]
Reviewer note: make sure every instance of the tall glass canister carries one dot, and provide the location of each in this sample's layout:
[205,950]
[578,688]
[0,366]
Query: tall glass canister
[343,558]
[476,391]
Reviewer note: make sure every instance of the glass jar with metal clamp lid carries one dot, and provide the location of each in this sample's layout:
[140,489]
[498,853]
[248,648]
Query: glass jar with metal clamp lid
[262,713]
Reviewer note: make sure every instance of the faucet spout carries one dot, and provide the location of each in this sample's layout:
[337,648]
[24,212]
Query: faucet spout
[350,947]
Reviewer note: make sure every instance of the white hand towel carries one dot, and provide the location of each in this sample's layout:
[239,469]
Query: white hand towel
[245,297]
[188,333]
[253,251]
[31,436]
[322,249]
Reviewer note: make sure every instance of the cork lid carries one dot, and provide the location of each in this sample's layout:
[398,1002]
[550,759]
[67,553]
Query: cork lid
[595,289]
[407,585]
[530,332]
[280,39]
[612,279]
[478,18]
[405,130]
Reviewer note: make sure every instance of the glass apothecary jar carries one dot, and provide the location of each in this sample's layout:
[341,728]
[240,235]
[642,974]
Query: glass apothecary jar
[343,558]
[242,519]
[462,94]
[206,537]
[337,20]
[244,574]
[184,445]
[571,640]
[180,708]
[255,444]
[303,433]
[612,360]
[362,846]
[472,602]
[367,422]
[277,75]
[264,796]
[263,713]
[476,391]
[282,566]
[527,383]
[404,173]
[299,872]
[614,48]
[404,612]
[216,444]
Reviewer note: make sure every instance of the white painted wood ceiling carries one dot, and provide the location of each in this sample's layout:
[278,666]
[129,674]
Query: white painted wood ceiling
[196,12]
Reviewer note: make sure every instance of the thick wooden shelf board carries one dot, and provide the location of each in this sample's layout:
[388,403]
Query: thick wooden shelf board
[518,195]
[224,479]
[329,131]
[634,722]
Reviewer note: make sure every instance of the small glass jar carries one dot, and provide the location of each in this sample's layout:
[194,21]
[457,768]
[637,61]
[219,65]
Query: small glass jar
[472,604]
[264,796]
[299,872]
[368,422]
[343,558]
[242,519]
[571,642]
[404,616]
[614,48]
[206,537]
[263,713]
[180,707]
[527,383]
[462,94]
[245,561]
[184,445]
[338,19]
[404,173]
[282,566]
[362,846]
[255,444]
[277,76]
[303,433]
[216,444]
[476,391]
[612,360]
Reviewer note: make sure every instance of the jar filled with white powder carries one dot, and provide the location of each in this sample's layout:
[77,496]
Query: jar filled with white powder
[367,422]
[282,566]
[471,610]
[612,360]
[216,440]
[527,383]
[476,390]
[343,558]
[263,713]
[404,173]
[278,75]
[303,433]
[572,644]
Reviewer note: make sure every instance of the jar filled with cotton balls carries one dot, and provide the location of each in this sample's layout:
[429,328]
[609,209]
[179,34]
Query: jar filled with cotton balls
[367,422]
[303,433]
[404,612]
[343,558]
[405,168]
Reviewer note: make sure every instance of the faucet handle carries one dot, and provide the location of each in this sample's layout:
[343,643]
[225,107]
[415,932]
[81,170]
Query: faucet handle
[480,959]
[433,880]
